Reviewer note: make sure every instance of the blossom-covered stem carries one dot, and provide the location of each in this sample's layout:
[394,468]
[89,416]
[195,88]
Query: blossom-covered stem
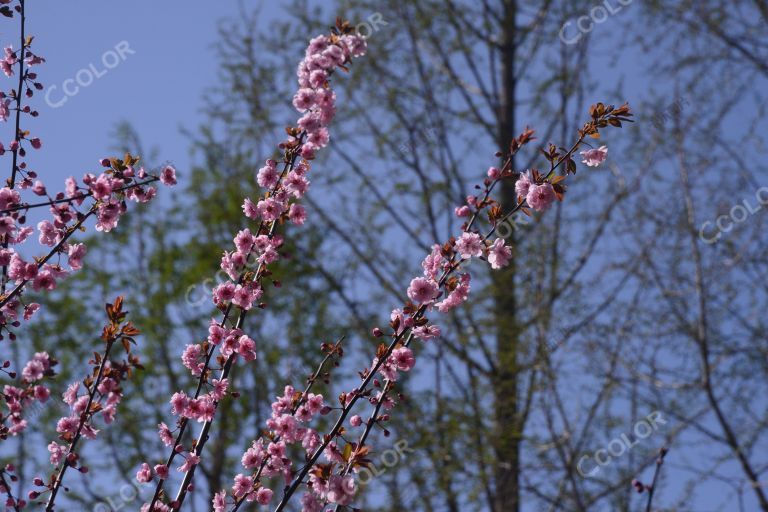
[202,438]
[357,393]
[181,494]
[20,286]
[84,417]
[18,92]
[310,384]
[224,373]
[11,501]
[77,197]
[12,182]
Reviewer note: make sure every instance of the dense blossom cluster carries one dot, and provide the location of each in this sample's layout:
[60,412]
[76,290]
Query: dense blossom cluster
[30,393]
[284,183]
[96,396]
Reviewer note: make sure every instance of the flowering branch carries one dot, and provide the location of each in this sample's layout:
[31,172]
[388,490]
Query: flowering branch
[103,395]
[316,100]
[253,456]
[536,191]
[78,198]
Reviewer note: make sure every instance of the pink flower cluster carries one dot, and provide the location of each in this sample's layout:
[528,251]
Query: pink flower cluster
[17,399]
[110,190]
[286,427]
[106,398]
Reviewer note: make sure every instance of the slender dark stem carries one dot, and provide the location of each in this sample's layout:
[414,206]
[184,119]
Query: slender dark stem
[8,491]
[652,490]
[84,417]
[12,182]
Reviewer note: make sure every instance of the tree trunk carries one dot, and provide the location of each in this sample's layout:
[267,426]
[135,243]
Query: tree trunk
[505,381]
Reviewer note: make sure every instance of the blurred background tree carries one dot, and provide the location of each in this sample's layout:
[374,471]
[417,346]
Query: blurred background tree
[615,305]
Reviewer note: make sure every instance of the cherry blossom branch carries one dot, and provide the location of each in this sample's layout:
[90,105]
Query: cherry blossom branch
[55,250]
[316,101]
[12,502]
[103,383]
[659,462]
[334,350]
[206,367]
[17,148]
[534,190]
[17,130]
[75,198]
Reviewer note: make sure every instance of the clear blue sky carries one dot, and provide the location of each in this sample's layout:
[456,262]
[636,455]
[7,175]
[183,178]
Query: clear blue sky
[158,88]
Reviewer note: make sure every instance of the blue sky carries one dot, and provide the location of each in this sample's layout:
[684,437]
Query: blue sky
[157,85]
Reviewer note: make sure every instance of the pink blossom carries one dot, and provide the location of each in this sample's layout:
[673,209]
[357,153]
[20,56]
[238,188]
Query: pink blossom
[44,281]
[253,456]
[433,262]
[310,504]
[33,371]
[469,245]
[594,157]
[246,347]
[457,296]
[341,489]
[220,501]
[243,485]
[523,184]
[168,176]
[263,496]
[165,434]
[192,460]
[462,211]
[38,188]
[297,214]
[269,209]
[403,358]
[268,175]
[144,474]
[422,291]
[219,388]
[249,209]
[426,332]
[162,471]
[57,452]
[194,359]
[540,197]
[296,184]
[494,173]
[304,99]
[179,403]
[48,234]
[356,420]
[499,254]
[76,253]
[102,187]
